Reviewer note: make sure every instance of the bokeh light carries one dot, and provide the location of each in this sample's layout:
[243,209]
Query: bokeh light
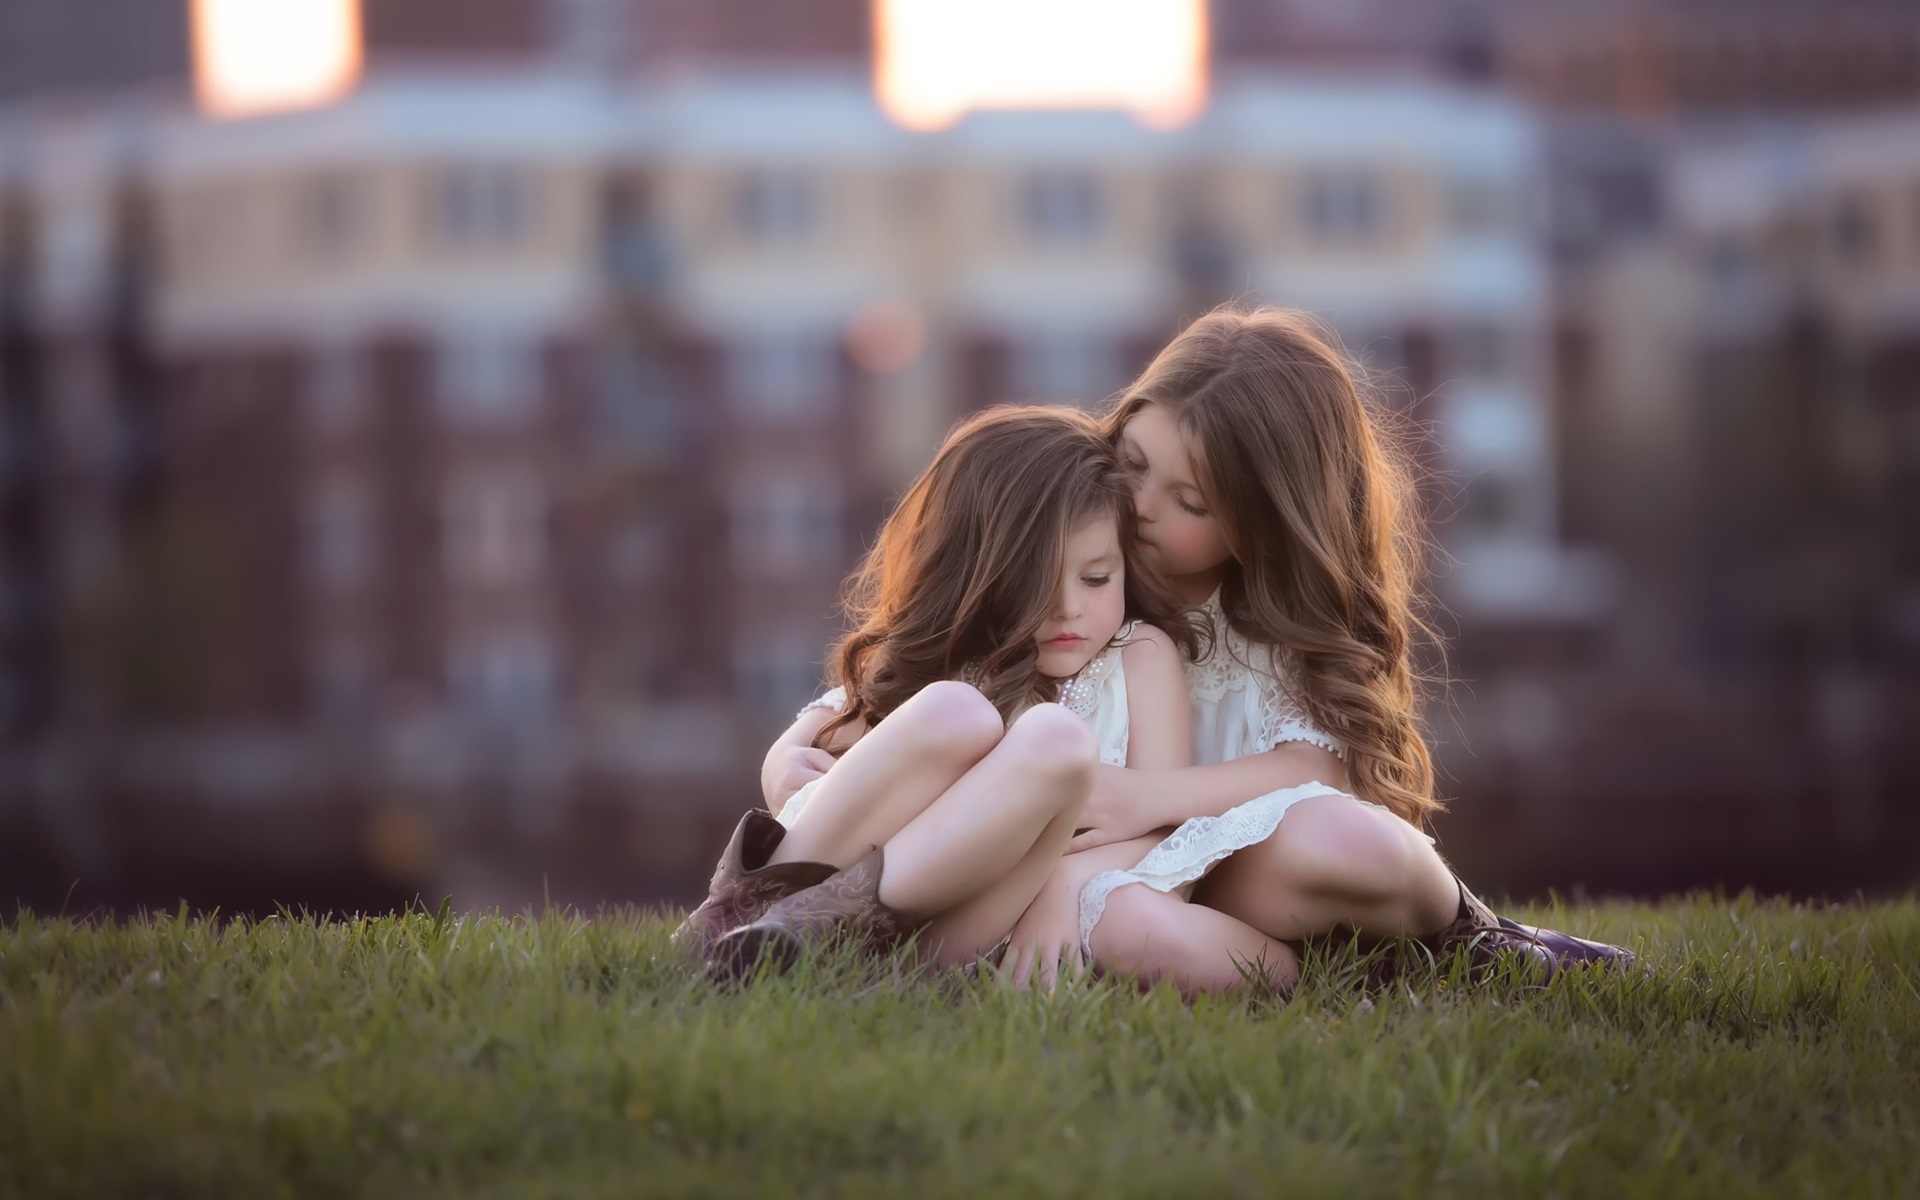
[253,57]
[936,60]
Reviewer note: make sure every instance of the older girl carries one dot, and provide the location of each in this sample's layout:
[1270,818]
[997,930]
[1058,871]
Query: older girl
[1265,493]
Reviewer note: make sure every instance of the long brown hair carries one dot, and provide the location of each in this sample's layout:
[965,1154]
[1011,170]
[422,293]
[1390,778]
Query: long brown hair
[965,570]
[1318,508]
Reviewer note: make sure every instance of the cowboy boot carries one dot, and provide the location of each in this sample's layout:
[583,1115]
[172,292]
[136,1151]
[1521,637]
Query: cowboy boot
[1488,936]
[844,908]
[744,884]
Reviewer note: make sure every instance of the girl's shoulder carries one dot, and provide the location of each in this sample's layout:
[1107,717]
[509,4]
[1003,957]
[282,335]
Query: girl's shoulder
[1147,646]
[1140,633]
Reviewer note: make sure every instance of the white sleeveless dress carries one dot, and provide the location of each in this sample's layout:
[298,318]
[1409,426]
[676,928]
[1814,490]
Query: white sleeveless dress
[1243,703]
[1097,693]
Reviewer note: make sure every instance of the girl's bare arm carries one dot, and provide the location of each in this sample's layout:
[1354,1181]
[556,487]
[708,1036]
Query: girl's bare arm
[1159,713]
[1126,803]
[792,761]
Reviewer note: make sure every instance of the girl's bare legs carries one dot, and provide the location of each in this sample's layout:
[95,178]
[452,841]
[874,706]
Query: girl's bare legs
[1335,863]
[1151,935]
[892,774]
[979,854]
[972,818]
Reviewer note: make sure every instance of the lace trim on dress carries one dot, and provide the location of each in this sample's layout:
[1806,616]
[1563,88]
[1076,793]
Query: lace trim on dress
[1192,850]
[1281,719]
[1080,693]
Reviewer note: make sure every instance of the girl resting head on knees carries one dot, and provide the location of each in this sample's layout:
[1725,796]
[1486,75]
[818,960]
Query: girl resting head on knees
[1267,491]
[1002,645]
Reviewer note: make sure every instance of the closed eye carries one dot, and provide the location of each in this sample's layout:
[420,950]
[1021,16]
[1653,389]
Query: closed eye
[1188,508]
[1096,580]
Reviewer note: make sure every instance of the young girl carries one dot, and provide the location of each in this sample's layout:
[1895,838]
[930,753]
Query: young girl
[1264,493]
[991,665]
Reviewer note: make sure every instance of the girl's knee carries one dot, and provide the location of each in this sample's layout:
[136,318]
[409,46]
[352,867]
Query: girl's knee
[1336,844]
[1050,738]
[950,716]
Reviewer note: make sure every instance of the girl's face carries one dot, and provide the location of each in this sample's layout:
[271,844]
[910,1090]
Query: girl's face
[1089,602]
[1178,533]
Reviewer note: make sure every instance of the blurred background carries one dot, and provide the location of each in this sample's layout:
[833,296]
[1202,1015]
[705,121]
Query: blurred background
[433,432]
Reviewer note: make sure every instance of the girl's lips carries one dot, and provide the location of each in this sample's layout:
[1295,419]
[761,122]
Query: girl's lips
[1065,640]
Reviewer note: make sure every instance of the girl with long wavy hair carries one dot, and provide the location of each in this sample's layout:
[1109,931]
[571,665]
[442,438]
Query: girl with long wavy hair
[1268,494]
[1002,645]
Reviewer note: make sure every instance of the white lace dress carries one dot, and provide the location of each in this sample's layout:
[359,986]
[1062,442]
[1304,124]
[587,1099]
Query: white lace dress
[1098,693]
[1243,703]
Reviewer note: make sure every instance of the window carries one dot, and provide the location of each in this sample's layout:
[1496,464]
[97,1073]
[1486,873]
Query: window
[785,524]
[83,416]
[1729,264]
[1914,231]
[1853,233]
[638,548]
[1622,200]
[1491,503]
[1482,206]
[73,255]
[340,540]
[1381,351]
[329,215]
[495,527]
[1481,350]
[335,391]
[502,676]
[1344,206]
[1067,368]
[1492,431]
[1061,206]
[480,207]
[485,377]
[774,206]
[780,376]
[342,680]
[777,669]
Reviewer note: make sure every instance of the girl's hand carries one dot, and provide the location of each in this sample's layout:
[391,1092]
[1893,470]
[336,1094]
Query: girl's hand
[790,768]
[1117,811]
[1046,939]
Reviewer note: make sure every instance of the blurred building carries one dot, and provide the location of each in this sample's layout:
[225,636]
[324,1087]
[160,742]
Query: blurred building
[510,433]
[455,483]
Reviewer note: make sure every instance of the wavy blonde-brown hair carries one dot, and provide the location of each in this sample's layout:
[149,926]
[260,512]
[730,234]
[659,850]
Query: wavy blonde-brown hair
[965,571]
[1318,508]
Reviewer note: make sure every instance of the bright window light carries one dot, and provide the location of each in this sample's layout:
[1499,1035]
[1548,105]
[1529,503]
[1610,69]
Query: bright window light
[935,60]
[252,57]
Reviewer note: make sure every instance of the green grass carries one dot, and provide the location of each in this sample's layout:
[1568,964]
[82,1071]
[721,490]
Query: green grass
[1775,1051]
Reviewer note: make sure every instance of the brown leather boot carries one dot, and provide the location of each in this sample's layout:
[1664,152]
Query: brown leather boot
[844,908]
[744,885]
[1488,937]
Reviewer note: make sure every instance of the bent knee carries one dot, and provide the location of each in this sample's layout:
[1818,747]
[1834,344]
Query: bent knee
[950,716]
[1136,918]
[1339,845]
[1050,737]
